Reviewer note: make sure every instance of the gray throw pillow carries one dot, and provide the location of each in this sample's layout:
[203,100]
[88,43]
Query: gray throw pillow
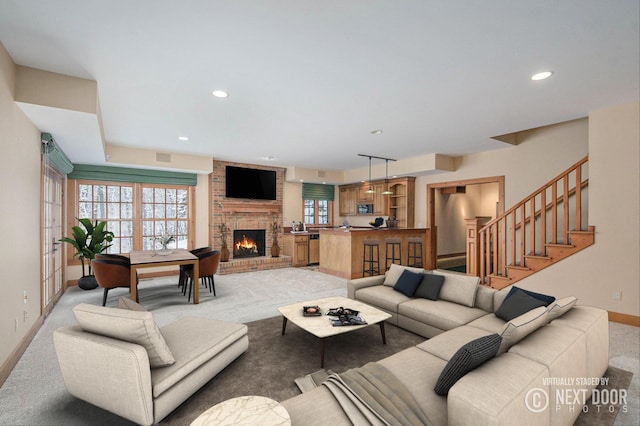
[469,356]
[517,304]
[408,282]
[429,287]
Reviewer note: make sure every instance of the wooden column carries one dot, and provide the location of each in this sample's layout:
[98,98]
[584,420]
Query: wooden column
[473,243]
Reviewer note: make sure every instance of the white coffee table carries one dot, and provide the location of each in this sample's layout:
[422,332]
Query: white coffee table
[245,410]
[320,326]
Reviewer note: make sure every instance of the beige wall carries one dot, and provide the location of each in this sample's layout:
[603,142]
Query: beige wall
[612,263]
[611,138]
[20,213]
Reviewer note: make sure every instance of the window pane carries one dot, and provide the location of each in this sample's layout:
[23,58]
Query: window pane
[158,195]
[84,193]
[113,193]
[99,193]
[171,228]
[114,227]
[171,210]
[171,196]
[147,211]
[126,229]
[127,194]
[158,211]
[309,211]
[85,210]
[147,195]
[147,228]
[127,211]
[114,211]
[99,211]
[323,212]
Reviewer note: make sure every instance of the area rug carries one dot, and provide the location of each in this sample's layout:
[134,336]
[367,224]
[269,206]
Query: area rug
[597,413]
[273,362]
[275,366]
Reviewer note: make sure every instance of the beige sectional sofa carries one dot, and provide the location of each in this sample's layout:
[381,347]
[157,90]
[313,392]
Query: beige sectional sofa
[558,341]
[119,360]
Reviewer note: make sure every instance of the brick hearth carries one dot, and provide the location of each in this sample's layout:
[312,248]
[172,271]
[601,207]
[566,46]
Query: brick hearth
[245,214]
[254,264]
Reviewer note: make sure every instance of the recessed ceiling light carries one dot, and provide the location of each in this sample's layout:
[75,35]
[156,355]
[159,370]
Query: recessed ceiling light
[376,132]
[183,138]
[541,75]
[220,94]
[268,158]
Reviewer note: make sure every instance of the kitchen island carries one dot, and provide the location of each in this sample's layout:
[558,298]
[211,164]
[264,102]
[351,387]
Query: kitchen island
[341,249]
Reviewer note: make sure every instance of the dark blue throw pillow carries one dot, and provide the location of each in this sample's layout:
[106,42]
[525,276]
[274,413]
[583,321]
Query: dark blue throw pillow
[517,305]
[429,287]
[546,299]
[469,356]
[408,282]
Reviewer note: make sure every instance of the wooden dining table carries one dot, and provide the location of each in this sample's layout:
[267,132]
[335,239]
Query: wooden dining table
[152,259]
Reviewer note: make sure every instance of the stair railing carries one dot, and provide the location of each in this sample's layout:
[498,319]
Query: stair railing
[544,217]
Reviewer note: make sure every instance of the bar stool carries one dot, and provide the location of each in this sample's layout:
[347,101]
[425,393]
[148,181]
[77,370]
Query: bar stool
[371,264]
[393,248]
[414,246]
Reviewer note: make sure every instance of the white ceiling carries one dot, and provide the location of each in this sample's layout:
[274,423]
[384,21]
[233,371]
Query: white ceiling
[309,80]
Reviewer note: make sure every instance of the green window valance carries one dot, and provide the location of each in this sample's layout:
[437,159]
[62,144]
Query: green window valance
[54,154]
[316,191]
[125,174]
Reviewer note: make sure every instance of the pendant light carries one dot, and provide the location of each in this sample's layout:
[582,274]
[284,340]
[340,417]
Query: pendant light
[386,178]
[370,190]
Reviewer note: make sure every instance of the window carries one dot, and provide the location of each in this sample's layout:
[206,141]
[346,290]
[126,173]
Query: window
[137,213]
[318,212]
[112,203]
[317,203]
[164,210]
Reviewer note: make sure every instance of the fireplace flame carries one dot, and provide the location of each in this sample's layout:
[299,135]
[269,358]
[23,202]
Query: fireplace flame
[246,243]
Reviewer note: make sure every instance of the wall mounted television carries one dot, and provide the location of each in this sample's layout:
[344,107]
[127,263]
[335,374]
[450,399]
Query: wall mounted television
[254,184]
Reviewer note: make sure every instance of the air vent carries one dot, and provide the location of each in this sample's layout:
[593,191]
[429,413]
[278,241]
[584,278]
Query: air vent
[321,173]
[163,158]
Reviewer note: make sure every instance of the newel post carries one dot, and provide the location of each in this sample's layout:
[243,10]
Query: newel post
[473,243]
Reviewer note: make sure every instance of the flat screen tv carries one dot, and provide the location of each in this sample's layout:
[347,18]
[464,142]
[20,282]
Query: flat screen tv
[254,184]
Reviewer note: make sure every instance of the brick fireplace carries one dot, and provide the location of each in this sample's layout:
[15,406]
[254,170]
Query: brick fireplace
[242,215]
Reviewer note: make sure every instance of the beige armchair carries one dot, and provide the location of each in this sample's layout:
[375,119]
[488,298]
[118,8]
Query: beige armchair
[119,360]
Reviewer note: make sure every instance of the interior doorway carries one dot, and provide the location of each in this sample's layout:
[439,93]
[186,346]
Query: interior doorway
[449,204]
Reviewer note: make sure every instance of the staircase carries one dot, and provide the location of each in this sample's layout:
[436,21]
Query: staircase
[537,232]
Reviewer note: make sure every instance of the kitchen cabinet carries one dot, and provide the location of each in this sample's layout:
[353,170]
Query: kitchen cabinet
[402,201]
[348,200]
[380,205]
[297,246]
[400,204]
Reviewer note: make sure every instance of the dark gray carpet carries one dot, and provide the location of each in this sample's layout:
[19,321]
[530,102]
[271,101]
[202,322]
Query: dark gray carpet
[605,414]
[273,362]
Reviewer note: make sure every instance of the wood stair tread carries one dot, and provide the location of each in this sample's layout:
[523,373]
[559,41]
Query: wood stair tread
[518,267]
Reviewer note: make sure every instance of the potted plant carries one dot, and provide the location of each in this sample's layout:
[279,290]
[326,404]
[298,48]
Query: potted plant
[224,251]
[89,240]
[275,248]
